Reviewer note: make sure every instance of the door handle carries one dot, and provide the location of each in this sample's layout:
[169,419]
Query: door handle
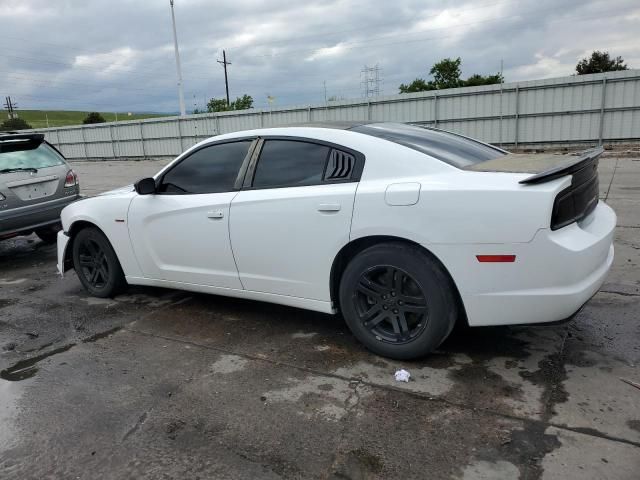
[329,207]
[215,214]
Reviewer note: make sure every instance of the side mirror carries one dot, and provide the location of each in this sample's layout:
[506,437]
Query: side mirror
[145,186]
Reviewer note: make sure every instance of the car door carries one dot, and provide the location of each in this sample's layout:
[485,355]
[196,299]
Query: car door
[181,233]
[293,216]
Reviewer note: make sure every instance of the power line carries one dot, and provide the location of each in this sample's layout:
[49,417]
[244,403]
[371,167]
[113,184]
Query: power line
[366,42]
[564,20]
[346,46]
[60,46]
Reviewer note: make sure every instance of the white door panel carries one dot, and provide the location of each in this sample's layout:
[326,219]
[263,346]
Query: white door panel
[184,238]
[285,239]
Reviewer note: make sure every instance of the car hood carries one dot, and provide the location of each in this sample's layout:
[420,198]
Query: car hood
[118,191]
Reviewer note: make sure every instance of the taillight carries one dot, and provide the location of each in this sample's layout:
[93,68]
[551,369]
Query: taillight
[71,180]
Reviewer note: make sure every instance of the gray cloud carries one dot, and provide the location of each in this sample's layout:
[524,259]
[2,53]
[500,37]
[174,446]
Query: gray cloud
[118,54]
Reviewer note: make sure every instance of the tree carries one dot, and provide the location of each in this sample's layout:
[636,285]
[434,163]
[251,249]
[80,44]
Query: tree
[446,73]
[600,62]
[93,117]
[244,102]
[217,105]
[15,124]
[220,104]
[477,79]
[418,85]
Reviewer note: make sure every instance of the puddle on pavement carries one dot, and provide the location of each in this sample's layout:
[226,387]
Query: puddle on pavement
[29,367]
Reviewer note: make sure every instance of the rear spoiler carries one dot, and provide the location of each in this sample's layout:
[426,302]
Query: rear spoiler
[33,137]
[570,164]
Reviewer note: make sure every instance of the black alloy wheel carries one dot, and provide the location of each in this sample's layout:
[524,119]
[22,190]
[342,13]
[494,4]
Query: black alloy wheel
[391,304]
[96,263]
[398,300]
[93,263]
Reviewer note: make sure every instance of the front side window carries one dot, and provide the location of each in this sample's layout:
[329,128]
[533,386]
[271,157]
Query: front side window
[289,163]
[212,169]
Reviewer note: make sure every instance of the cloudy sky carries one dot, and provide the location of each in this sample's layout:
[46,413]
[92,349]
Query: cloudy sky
[117,55]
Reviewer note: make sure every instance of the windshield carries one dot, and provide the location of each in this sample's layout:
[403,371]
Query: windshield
[26,156]
[448,147]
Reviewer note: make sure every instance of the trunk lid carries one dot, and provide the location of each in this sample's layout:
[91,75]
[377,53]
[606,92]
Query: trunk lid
[572,204]
[30,187]
[544,167]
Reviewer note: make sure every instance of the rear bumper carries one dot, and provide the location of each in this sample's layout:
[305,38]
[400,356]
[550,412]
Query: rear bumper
[26,219]
[553,276]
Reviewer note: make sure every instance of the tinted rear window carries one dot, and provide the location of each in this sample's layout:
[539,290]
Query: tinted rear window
[450,148]
[287,163]
[24,155]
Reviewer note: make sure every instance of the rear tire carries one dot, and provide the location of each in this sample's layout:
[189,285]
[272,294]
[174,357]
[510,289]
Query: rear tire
[398,300]
[96,264]
[48,235]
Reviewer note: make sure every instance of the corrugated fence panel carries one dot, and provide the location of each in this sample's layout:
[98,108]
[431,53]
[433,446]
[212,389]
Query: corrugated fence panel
[96,134]
[127,131]
[622,124]
[622,95]
[159,130]
[585,109]
[70,135]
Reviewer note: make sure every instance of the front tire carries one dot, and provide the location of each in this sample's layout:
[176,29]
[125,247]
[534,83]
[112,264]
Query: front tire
[398,300]
[96,264]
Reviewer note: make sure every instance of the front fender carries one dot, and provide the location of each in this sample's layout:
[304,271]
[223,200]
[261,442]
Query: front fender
[109,214]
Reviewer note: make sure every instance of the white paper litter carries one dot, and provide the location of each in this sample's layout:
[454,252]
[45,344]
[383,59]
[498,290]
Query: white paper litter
[402,376]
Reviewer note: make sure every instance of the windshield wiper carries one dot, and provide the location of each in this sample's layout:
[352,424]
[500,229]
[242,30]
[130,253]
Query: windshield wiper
[20,169]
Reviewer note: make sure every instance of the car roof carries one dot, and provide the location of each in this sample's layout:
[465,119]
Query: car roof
[335,124]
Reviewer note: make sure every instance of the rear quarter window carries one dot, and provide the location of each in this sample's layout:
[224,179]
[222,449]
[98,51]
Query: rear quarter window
[448,147]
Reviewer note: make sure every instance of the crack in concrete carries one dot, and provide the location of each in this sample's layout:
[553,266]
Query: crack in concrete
[417,395]
[615,167]
[624,294]
[136,426]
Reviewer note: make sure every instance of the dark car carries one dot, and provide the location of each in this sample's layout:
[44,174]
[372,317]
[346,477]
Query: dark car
[36,183]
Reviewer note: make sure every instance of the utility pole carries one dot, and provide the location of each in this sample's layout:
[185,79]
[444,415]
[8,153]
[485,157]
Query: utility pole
[224,63]
[324,84]
[11,107]
[501,82]
[178,68]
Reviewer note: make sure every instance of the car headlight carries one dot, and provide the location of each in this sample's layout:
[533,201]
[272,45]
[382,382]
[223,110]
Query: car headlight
[2,197]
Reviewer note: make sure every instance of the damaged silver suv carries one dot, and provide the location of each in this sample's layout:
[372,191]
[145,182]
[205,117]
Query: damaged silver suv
[36,183]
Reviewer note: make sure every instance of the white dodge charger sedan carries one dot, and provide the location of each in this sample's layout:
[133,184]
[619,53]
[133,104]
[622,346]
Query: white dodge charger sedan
[404,230]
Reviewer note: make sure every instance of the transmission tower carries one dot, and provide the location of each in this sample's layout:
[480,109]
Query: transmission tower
[371,81]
